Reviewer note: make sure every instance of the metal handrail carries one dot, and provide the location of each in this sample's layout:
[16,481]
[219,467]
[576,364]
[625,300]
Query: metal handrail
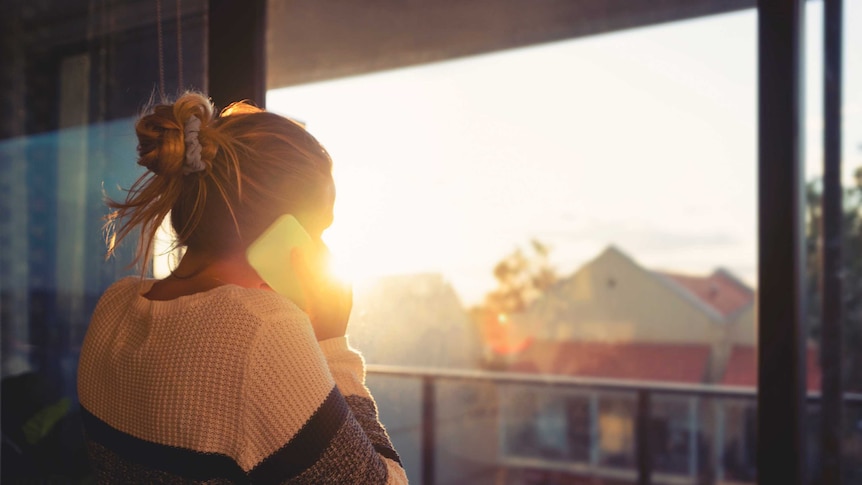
[643,390]
[702,390]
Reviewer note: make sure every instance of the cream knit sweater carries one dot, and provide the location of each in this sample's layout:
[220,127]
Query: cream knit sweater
[225,386]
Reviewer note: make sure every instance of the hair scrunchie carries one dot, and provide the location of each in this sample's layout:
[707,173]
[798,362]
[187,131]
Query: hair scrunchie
[192,162]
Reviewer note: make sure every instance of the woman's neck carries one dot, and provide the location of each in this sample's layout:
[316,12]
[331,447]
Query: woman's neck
[226,269]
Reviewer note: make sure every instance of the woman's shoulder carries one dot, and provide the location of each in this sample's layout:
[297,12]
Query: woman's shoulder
[128,283]
[266,304]
[222,301]
[228,315]
[123,289]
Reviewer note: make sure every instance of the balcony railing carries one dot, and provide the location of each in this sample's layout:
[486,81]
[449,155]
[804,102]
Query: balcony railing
[644,392]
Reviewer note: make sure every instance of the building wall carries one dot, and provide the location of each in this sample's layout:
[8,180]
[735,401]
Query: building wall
[744,328]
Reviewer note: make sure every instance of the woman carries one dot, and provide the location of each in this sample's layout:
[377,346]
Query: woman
[208,375]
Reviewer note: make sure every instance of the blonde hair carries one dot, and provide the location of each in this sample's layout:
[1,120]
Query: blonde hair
[256,166]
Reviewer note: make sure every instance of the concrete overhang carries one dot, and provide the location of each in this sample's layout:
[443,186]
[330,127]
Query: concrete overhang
[310,41]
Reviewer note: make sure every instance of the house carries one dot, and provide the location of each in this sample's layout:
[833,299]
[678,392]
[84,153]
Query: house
[612,299]
[615,319]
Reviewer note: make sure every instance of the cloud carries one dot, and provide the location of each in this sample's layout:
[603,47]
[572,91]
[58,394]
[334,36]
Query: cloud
[640,237]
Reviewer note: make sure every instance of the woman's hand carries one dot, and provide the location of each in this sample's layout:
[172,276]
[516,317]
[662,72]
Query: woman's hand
[328,302]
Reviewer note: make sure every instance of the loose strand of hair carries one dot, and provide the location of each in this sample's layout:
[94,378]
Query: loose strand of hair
[191,223]
[146,206]
[229,206]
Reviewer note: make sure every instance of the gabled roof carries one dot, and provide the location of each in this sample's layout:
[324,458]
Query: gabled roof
[720,295]
[720,291]
[680,363]
[741,368]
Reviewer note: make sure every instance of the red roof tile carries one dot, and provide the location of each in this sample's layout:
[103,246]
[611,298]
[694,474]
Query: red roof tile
[684,363]
[742,368]
[720,291]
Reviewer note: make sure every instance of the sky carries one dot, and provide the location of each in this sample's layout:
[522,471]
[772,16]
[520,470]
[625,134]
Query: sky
[644,139]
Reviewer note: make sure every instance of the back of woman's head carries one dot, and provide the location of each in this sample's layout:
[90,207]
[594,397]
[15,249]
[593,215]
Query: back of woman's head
[223,179]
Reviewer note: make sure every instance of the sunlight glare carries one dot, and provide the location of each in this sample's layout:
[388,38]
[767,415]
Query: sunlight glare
[446,167]
[165,255]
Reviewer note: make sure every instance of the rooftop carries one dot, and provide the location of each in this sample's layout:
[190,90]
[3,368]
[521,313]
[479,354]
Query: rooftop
[720,290]
[661,362]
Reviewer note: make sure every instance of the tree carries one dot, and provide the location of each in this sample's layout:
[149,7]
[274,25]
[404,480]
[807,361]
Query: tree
[522,276]
[851,247]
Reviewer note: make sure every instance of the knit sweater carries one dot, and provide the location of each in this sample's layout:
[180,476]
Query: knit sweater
[224,386]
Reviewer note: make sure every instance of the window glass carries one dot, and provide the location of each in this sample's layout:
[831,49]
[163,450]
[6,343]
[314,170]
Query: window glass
[851,159]
[851,151]
[75,75]
[584,210]
[57,184]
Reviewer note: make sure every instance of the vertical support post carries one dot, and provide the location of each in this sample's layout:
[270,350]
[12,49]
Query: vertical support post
[644,456]
[236,51]
[832,271]
[781,257]
[595,448]
[693,445]
[428,430]
[718,443]
[504,397]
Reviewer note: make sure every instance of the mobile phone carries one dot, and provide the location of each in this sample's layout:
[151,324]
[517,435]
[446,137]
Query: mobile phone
[269,255]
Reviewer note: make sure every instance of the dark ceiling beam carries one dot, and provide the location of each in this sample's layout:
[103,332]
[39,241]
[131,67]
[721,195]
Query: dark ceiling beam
[309,40]
[236,67]
[46,25]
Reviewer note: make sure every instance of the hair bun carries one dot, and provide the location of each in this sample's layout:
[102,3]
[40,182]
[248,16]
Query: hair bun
[162,143]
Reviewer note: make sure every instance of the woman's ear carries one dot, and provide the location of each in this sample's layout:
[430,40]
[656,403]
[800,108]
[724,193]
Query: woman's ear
[318,221]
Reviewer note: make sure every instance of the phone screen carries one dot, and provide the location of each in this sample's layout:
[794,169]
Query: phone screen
[269,255]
